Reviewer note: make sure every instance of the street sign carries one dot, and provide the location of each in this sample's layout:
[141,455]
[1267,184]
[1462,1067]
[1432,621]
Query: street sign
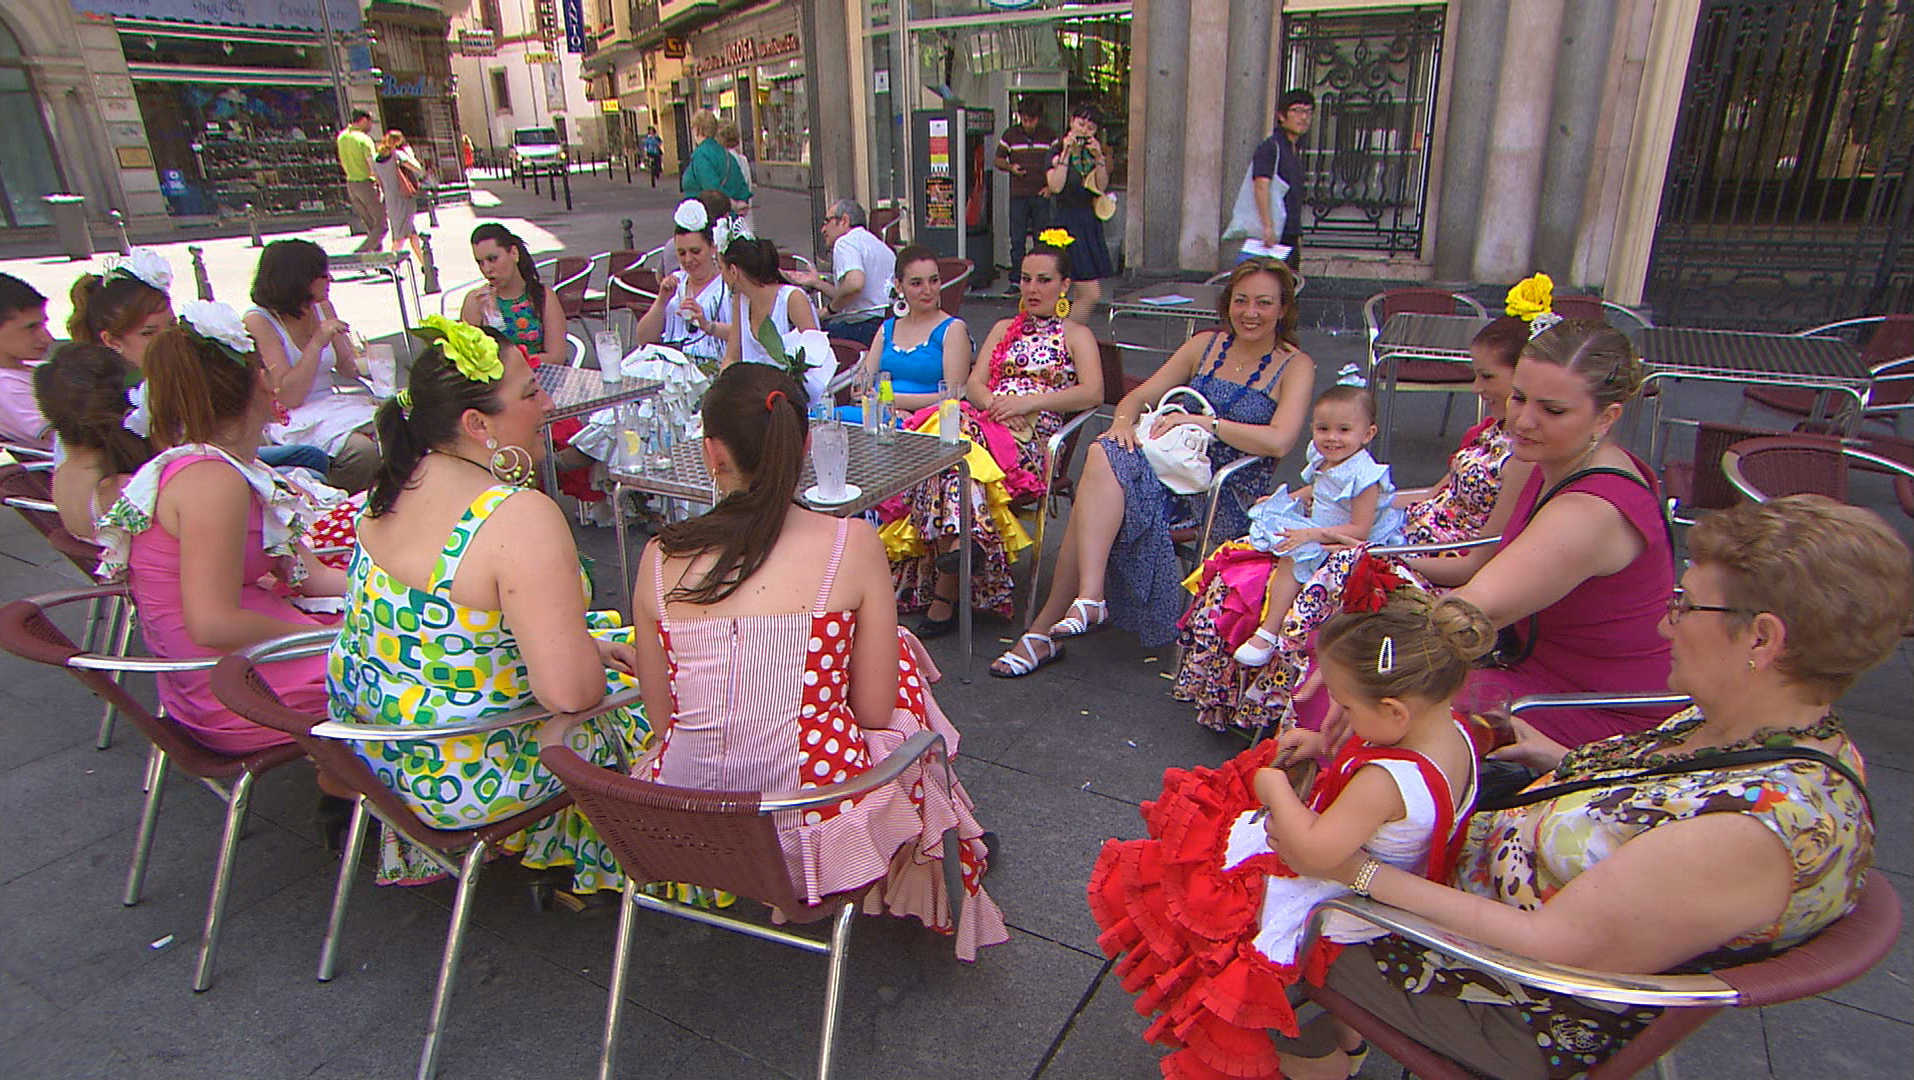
[481,42]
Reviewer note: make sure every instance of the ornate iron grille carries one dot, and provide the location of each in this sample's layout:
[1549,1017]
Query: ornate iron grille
[1787,200]
[1366,159]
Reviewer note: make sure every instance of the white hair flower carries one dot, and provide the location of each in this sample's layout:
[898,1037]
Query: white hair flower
[145,265]
[217,323]
[691,216]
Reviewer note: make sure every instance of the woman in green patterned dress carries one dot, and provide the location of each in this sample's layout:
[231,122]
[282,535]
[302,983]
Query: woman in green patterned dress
[465,598]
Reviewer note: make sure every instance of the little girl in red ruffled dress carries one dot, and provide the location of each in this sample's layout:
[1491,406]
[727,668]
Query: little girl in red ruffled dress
[1213,907]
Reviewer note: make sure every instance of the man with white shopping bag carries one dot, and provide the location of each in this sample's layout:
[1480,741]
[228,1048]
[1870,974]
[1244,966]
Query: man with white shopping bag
[1269,207]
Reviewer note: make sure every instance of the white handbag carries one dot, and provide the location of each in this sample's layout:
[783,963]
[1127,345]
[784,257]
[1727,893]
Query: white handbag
[1180,457]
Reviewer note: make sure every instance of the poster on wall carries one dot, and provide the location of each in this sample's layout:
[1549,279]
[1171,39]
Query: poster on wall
[940,201]
[940,148]
[554,87]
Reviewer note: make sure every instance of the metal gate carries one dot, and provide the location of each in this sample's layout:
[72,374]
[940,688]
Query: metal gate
[1366,159]
[1787,201]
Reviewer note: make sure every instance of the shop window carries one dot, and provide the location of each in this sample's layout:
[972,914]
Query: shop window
[1366,158]
[782,114]
[501,91]
[27,169]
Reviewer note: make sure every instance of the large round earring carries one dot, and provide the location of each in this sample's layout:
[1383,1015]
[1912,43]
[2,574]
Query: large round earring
[1063,307]
[900,307]
[511,464]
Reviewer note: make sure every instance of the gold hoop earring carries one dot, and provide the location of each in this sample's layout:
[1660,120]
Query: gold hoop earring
[511,464]
[1063,307]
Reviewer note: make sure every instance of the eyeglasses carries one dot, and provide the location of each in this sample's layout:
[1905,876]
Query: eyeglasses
[1679,605]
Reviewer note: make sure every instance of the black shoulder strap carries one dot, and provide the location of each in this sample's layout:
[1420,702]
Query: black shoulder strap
[1707,763]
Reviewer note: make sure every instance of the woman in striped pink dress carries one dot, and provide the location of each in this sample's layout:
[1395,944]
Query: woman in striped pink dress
[768,635]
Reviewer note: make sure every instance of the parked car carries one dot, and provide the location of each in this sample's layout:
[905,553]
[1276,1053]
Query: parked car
[536,149]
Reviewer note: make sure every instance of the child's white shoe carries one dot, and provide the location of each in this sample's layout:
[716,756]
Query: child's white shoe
[1257,650]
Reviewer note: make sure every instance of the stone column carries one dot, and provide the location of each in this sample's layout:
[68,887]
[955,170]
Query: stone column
[1518,135]
[1164,111]
[1203,126]
[1249,97]
[1476,27]
[1581,78]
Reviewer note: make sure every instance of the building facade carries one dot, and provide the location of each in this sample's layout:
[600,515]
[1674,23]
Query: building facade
[1754,154]
[515,68]
[411,50]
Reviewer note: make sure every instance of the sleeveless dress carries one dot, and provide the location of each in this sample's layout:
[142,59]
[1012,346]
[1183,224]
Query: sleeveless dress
[762,703]
[1334,488]
[1604,634]
[149,556]
[324,419]
[1213,920]
[1144,577]
[1035,360]
[916,370]
[1075,212]
[715,301]
[1231,586]
[408,656]
[522,324]
[1527,854]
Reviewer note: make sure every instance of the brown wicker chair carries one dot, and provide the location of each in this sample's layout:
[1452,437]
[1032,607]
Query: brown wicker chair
[1061,449]
[721,840]
[848,353]
[1889,354]
[1411,374]
[27,630]
[462,853]
[1839,954]
[955,275]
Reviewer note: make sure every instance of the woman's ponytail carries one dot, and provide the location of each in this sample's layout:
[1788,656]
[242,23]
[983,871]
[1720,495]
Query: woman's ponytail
[756,412]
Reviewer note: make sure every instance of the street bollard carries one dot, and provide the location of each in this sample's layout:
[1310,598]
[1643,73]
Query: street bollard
[432,205]
[252,224]
[625,224]
[200,277]
[429,266]
[119,227]
[627,157]
[533,174]
[568,188]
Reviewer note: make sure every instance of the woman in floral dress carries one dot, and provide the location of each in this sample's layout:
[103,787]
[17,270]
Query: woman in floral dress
[466,599]
[1230,586]
[1032,371]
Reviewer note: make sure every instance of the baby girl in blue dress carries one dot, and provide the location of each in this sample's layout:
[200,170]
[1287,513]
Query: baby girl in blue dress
[1348,492]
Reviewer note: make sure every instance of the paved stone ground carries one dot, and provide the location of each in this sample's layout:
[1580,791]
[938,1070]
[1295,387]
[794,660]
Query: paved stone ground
[1057,763]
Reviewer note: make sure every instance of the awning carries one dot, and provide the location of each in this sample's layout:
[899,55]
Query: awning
[302,14]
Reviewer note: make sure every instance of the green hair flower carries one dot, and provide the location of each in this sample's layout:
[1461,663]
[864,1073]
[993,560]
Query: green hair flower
[471,350]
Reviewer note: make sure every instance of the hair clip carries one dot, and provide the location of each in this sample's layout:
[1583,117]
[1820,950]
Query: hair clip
[691,216]
[1350,375]
[1386,656]
[404,398]
[1542,321]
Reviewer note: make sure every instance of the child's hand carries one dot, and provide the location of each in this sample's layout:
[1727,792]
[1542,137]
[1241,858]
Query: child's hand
[1305,497]
[1295,538]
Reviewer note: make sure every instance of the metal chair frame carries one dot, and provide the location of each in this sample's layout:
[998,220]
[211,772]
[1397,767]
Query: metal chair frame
[230,777]
[1372,317]
[1731,459]
[115,634]
[1841,952]
[1894,369]
[598,786]
[236,684]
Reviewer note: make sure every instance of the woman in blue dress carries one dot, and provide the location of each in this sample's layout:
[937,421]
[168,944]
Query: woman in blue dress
[919,346]
[1117,563]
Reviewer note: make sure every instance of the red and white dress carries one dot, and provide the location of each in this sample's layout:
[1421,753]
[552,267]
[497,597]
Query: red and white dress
[1212,919]
[762,703]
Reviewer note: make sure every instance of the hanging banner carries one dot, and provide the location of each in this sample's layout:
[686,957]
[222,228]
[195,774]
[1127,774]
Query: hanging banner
[574,26]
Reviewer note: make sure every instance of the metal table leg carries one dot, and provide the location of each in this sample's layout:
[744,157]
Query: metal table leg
[618,490]
[965,526]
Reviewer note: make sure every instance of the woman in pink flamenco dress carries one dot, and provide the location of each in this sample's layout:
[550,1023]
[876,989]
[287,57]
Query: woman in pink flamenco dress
[778,660]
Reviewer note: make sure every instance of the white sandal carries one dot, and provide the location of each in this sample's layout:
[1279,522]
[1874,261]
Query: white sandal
[1021,665]
[1078,621]
[1258,650]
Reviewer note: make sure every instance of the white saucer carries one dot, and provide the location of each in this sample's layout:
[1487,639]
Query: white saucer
[851,493]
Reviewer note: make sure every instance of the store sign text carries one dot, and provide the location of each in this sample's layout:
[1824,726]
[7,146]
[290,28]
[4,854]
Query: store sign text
[422,87]
[749,51]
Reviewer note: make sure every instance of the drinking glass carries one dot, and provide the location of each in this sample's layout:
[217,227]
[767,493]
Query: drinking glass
[611,355]
[831,460]
[382,369]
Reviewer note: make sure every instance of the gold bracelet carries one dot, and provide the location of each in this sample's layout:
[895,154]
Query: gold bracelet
[1360,886]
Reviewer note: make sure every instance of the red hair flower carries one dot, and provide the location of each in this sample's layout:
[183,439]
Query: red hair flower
[1370,583]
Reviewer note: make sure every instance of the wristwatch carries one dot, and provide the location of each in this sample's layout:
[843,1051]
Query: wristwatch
[1360,885]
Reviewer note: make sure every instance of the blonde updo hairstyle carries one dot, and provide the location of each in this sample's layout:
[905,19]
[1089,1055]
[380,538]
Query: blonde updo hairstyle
[1433,643]
[1602,355]
[1839,579]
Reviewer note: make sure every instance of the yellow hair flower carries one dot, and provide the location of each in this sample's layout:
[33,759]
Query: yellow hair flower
[1056,238]
[471,350]
[1532,296]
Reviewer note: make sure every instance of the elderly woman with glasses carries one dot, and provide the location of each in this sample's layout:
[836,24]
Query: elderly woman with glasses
[1710,861]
